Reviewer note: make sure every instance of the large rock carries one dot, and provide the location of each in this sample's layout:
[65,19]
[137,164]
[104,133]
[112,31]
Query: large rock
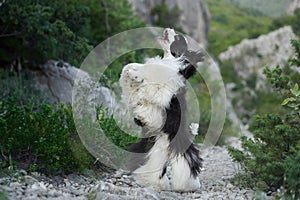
[248,60]
[57,80]
[251,55]
[194,18]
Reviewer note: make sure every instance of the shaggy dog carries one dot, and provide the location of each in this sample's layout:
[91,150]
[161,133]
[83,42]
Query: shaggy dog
[168,158]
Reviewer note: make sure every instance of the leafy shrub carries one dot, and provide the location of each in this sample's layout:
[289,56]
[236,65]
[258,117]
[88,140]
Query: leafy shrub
[112,130]
[271,159]
[40,138]
[39,31]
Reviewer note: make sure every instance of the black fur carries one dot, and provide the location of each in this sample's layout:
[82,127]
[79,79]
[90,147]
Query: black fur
[190,58]
[181,140]
[179,46]
[173,118]
[178,133]
[142,147]
[193,158]
[164,171]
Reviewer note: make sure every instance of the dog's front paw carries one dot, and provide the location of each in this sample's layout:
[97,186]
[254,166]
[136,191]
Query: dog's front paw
[133,72]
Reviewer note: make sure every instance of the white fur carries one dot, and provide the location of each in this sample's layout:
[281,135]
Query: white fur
[194,128]
[148,88]
[182,179]
[178,170]
[148,174]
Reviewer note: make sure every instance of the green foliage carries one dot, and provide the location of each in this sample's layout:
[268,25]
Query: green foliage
[272,8]
[63,30]
[204,98]
[165,17]
[110,17]
[292,20]
[40,138]
[112,130]
[293,173]
[42,30]
[271,159]
[229,25]
[270,154]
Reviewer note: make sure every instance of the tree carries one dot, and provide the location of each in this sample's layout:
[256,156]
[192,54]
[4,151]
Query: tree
[39,30]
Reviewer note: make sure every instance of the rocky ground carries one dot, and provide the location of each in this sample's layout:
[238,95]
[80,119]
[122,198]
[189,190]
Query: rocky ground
[218,169]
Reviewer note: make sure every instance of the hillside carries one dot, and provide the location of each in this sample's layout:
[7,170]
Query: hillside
[271,8]
[230,24]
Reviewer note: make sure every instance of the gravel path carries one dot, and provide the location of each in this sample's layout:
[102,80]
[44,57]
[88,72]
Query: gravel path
[215,177]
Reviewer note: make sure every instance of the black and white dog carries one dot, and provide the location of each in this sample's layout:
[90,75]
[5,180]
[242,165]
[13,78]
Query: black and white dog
[155,92]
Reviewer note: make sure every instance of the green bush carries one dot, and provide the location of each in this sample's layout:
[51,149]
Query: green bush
[271,159]
[35,31]
[41,30]
[112,130]
[40,138]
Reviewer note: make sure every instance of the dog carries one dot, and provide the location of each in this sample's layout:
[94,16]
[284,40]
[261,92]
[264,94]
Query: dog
[168,158]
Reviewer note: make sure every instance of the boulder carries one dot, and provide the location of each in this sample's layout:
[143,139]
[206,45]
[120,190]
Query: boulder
[250,56]
[248,59]
[57,78]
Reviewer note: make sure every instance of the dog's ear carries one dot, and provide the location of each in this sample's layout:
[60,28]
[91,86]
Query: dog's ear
[178,46]
[191,58]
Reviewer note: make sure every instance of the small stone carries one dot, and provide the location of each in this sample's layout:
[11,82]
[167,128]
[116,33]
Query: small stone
[54,193]
[6,188]
[30,180]
[15,185]
[67,183]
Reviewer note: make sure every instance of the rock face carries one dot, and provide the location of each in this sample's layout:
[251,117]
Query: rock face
[248,60]
[194,18]
[293,6]
[251,55]
[57,79]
